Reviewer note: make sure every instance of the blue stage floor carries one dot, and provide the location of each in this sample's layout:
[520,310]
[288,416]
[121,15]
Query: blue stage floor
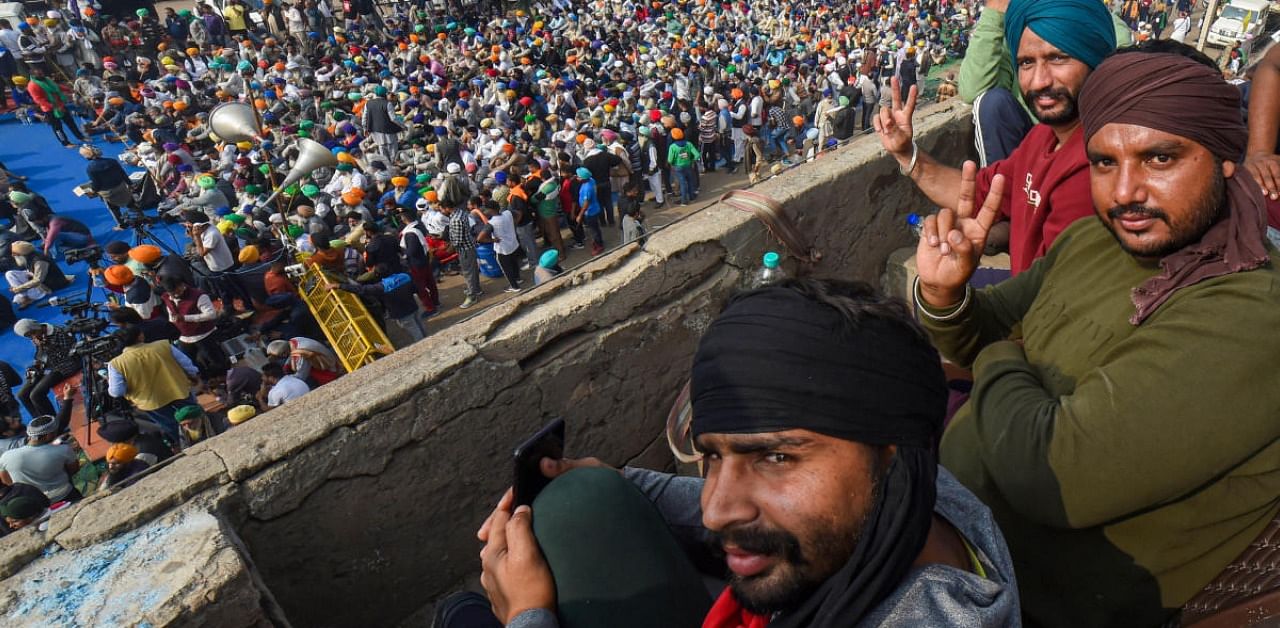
[54,171]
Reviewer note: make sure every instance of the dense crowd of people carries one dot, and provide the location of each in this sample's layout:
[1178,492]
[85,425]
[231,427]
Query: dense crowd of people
[1078,484]
[462,139]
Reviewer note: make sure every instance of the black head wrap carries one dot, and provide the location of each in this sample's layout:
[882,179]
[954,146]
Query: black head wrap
[1178,95]
[243,380]
[778,360]
[118,430]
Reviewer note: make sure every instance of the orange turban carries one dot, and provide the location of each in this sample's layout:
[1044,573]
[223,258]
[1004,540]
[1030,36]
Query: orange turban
[123,453]
[118,275]
[146,254]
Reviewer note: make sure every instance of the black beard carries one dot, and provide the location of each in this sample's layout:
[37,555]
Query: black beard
[1207,211]
[1068,114]
[803,576]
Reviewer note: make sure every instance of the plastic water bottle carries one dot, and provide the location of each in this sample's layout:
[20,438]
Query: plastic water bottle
[915,224]
[769,272]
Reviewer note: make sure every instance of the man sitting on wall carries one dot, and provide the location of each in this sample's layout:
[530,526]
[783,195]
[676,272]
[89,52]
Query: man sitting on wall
[1127,443]
[816,408]
[1055,44]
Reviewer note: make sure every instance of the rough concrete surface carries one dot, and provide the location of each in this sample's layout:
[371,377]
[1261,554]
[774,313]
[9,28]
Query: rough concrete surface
[182,569]
[359,507]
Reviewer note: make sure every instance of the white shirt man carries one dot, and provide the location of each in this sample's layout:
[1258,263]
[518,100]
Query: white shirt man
[504,232]
[217,256]
[1181,28]
[40,463]
[286,389]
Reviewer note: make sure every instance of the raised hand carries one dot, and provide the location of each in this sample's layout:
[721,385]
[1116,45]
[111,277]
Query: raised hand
[893,124]
[951,241]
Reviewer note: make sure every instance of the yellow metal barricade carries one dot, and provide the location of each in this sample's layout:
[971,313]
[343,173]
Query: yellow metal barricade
[352,332]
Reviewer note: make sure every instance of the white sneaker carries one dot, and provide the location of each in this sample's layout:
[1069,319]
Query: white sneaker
[466,303]
[510,289]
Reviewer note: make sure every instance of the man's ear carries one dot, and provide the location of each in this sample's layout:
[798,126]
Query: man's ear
[1228,169]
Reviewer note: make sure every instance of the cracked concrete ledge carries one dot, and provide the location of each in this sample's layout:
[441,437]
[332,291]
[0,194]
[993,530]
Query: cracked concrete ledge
[606,343]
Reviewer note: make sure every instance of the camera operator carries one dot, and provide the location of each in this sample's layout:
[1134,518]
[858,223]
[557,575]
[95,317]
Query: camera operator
[61,231]
[155,377]
[108,181]
[192,312]
[35,277]
[53,363]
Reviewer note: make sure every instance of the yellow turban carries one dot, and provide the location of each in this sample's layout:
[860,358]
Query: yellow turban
[240,414]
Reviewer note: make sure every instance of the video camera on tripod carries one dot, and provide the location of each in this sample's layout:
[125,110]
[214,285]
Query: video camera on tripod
[138,221]
[87,323]
[90,254]
[93,347]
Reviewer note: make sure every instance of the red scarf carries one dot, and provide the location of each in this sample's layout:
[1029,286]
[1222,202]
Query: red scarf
[727,613]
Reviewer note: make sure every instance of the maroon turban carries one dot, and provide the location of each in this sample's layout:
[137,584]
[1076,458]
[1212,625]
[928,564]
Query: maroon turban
[1181,96]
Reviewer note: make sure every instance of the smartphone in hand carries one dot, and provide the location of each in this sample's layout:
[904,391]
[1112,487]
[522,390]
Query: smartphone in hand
[547,443]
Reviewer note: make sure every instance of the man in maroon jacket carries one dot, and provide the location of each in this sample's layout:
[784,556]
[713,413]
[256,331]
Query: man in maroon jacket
[192,312]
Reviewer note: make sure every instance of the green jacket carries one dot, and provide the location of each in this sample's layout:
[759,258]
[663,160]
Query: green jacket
[682,154]
[1125,465]
[987,62]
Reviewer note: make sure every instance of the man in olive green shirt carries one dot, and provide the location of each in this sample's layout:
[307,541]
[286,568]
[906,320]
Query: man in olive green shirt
[1127,441]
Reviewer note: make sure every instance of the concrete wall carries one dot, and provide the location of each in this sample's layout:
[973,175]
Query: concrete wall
[358,507]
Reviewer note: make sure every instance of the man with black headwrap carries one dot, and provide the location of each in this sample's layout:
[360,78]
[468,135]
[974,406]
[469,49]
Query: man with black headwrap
[1054,44]
[1127,442]
[816,408]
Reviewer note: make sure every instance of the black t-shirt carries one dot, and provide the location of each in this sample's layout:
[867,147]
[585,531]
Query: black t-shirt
[383,249]
[600,164]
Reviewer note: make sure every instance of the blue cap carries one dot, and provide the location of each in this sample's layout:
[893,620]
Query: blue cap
[771,259]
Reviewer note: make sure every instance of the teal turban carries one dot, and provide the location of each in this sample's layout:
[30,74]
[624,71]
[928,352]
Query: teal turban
[1080,28]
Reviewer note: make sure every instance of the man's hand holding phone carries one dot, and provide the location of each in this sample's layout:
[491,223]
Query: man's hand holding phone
[515,576]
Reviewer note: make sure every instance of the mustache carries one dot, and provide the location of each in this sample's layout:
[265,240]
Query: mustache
[1053,92]
[762,541]
[1143,210]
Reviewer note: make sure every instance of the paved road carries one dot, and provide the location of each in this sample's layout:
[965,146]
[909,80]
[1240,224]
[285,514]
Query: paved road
[451,288]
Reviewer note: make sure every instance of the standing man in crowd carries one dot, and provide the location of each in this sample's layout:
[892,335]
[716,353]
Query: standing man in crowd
[192,312]
[53,105]
[464,244]
[154,376]
[376,119]
[108,181]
